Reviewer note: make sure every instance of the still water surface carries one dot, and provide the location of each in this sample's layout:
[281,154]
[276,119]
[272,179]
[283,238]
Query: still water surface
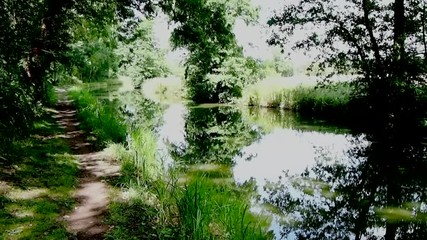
[318,181]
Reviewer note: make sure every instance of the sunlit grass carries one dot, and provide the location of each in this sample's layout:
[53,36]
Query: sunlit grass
[139,160]
[198,209]
[331,100]
[100,117]
[208,210]
[165,90]
[210,171]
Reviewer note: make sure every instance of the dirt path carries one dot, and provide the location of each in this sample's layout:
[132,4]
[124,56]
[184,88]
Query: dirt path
[86,221]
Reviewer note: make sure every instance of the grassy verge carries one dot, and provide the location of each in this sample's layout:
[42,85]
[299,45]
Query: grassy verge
[200,203]
[155,203]
[37,178]
[99,117]
[185,203]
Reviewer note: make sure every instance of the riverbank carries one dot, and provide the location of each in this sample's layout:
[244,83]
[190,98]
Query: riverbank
[298,94]
[332,101]
[155,201]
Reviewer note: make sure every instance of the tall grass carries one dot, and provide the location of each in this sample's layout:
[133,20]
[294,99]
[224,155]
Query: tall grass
[100,117]
[139,160]
[208,210]
[199,209]
[327,100]
[331,99]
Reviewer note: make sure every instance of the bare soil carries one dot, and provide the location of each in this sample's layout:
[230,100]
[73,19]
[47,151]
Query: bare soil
[86,220]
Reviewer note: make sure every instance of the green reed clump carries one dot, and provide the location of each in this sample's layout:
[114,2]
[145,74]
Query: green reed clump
[139,160]
[199,209]
[100,117]
[333,98]
[147,212]
[208,210]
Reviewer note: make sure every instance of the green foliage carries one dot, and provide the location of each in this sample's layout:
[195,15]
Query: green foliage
[226,83]
[324,101]
[99,117]
[235,73]
[91,55]
[140,161]
[205,29]
[42,40]
[140,58]
[208,210]
[283,68]
[17,111]
[277,65]
[199,209]
[136,220]
[383,41]
[18,26]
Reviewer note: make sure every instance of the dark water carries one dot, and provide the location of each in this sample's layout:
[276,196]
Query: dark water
[318,181]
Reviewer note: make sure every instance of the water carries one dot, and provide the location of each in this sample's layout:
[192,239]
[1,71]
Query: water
[319,181]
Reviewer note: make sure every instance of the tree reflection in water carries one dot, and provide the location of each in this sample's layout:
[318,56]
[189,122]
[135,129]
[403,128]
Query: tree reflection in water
[379,192]
[213,135]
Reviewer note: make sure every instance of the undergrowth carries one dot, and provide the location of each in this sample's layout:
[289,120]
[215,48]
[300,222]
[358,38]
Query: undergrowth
[160,202]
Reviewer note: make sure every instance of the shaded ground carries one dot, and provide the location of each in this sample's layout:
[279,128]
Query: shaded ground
[86,221]
[37,177]
[53,183]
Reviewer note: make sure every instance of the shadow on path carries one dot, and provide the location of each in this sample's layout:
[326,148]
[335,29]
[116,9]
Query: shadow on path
[86,220]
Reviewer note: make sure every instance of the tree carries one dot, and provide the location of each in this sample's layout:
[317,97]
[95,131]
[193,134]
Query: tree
[205,29]
[140,58]
[383,41]
[38,36]
[91,55]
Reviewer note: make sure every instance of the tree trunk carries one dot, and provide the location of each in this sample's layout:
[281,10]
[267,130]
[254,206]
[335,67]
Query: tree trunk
[374,44]
[42,51]
[399,40]
[423,24]
[390,232]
